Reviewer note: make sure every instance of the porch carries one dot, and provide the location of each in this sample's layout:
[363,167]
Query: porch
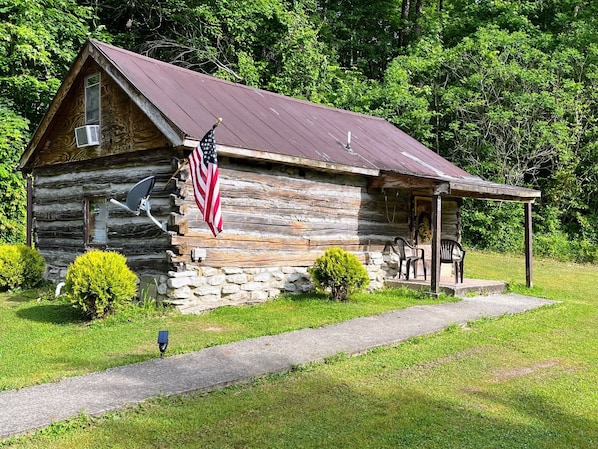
[447,285]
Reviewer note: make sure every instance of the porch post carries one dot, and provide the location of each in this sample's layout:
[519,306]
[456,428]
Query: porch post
[529,279]
[436,233]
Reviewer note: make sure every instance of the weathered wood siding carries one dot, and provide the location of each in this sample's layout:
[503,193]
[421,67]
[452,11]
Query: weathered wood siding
[124,127]
[59,194]
[284,216]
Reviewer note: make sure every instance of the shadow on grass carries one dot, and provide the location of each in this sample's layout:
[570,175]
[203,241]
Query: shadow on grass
[308,297]
[59,313]
[323,408]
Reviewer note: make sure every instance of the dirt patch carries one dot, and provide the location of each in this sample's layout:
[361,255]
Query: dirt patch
[506,374]
[445,360]
[214,329]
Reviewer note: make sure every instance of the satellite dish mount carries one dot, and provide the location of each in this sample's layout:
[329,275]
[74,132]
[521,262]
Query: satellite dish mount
[138,200]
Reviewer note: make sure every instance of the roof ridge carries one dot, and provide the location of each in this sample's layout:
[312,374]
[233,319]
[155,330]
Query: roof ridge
[171,66]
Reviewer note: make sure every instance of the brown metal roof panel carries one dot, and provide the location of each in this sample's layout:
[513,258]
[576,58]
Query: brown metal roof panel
[253,119]
[173,95]
[261,120]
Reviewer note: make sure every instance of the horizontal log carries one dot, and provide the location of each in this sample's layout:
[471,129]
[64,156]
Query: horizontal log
[217,257]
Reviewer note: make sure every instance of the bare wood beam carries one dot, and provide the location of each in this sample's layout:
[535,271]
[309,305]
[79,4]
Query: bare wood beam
[260,155]
[436,233]
[395,180]
[529,279]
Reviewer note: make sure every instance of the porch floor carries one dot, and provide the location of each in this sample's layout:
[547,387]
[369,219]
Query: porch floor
[448,286]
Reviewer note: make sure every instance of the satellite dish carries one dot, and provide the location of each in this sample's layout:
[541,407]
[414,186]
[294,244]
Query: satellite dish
[139,192]
[138,199]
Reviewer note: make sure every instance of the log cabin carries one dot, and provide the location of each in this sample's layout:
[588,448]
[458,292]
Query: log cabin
[295,178]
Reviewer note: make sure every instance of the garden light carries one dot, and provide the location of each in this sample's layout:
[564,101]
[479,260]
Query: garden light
[162,342]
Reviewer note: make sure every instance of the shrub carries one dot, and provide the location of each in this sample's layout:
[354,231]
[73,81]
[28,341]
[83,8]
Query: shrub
[20,266]
[99,283]
[338,272]
[555,245]
[494,226]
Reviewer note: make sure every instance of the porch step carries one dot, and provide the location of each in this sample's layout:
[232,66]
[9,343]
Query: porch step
[448,286]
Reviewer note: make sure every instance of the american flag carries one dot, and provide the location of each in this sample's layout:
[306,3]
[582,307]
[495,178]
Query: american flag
[204,176]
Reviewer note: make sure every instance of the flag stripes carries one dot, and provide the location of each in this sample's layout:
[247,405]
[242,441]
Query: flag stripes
[206,186]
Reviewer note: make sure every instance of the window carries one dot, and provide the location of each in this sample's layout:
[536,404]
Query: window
[96,221]
[92,99]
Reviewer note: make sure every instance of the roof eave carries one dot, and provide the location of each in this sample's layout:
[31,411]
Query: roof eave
[463,188]
[267,156]
[173,133]
[493,191]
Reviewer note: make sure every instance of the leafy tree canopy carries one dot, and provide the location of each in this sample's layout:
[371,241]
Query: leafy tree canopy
[502,88]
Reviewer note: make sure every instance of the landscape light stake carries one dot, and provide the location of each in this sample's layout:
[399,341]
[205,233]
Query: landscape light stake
[162,342]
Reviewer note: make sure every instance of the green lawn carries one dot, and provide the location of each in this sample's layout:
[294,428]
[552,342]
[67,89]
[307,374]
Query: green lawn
[517,381]
[45,340]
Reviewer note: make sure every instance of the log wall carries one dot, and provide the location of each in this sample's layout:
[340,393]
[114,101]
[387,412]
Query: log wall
[59,194]
[277,221]
[284,216]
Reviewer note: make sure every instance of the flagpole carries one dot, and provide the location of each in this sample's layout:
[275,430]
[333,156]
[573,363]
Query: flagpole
[218,122]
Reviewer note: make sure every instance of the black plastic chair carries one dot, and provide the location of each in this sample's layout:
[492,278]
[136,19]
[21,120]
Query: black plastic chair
[452,252]
[409,254]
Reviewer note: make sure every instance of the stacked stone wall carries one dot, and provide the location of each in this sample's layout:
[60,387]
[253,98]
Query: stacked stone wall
[202,288]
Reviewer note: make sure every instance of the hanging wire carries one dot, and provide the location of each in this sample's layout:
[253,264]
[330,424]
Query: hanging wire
[394,209]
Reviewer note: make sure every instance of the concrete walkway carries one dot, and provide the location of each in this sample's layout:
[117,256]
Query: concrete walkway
[38,406]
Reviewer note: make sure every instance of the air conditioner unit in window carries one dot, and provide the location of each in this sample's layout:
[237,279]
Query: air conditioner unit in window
[87,135]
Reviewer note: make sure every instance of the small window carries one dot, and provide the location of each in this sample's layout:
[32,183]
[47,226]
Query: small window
[92,99]
[96,221]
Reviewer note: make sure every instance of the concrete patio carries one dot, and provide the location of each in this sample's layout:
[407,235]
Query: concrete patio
[448,286]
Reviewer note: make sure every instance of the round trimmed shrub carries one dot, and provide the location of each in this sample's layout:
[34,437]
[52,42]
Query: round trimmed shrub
[20,267]
[338,273]
[99,283]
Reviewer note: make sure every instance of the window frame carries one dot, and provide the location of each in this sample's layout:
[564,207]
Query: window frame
[90,221]
[92,87]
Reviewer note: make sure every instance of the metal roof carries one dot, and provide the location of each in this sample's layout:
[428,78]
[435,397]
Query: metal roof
[184,104]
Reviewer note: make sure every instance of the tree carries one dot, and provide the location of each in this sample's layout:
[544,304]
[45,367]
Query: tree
[39,39]
[270,44]
[13,137]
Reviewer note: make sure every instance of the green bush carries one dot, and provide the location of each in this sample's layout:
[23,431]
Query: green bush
[555,245]
[99,283]
[338,273]
[20,267]
[494,226]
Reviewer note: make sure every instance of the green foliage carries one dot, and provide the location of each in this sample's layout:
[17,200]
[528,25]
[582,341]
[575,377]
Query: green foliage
[559,246]
[338,273]
[20,267]
[13,196]
[495,226]
[99,283]
[504,89]
[38,42]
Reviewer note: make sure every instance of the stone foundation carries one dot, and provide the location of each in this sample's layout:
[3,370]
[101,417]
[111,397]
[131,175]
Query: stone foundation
[203,288]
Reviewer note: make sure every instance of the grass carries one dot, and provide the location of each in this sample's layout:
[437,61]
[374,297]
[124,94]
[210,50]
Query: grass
[518,381]
[45,340]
